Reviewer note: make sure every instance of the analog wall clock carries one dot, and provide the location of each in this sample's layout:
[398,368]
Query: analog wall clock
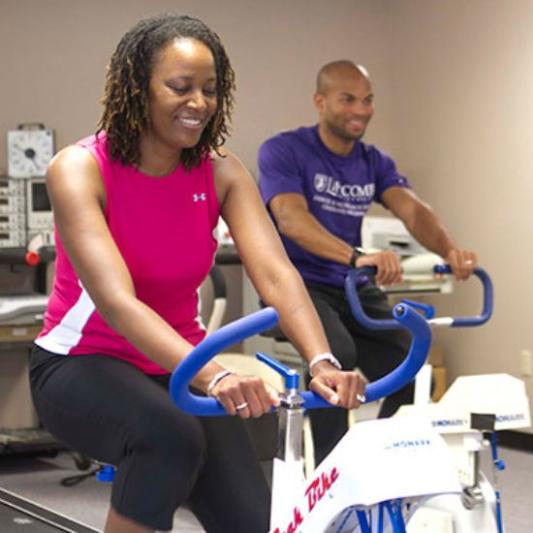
[29,150]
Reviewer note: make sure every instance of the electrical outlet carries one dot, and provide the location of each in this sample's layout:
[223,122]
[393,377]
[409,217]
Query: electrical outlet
[526,364]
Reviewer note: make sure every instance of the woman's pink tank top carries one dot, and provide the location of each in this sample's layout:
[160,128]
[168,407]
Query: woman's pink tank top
[163,228]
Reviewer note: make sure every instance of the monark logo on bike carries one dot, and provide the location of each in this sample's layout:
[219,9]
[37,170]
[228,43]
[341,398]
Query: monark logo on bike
[450,422]
[314,492]
[411,443]
[346,191]
[510,418]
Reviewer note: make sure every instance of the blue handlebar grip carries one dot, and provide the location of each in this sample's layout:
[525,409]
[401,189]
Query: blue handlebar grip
[205,351]
[488,298]
[350,285]
[401,375]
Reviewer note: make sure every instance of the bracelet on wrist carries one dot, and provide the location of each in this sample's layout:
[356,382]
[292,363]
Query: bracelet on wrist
[329,357]
[217,379]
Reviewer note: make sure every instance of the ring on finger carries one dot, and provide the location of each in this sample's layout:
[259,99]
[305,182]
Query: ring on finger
[360,398]
[469,262]
[241,406]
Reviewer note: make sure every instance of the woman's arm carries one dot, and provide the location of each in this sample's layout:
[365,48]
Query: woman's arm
[78,198]
[275,278]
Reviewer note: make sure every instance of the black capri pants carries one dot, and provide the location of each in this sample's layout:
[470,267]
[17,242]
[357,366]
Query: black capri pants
[374,352]
[109,410]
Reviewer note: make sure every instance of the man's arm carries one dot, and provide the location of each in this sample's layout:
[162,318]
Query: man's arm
[296,222]
[428,230]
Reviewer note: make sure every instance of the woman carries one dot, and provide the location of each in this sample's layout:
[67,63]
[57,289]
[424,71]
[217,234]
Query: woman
[135,207]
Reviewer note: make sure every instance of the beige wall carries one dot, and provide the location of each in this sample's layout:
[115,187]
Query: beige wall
[462,81]
[453,81]
[53,56]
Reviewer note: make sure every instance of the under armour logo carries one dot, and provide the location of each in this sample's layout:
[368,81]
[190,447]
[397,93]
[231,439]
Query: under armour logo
[199,197]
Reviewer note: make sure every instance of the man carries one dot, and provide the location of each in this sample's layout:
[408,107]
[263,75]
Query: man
[318,183]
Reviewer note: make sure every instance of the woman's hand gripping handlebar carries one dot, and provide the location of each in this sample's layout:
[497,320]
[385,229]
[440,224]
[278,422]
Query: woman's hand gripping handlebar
[356,276]
[267,318]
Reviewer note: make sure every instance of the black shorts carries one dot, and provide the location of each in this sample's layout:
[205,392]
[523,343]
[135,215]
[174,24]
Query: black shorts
[110,411]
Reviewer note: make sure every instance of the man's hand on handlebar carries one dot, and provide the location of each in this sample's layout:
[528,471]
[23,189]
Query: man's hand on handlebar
[340,388]
[389,270]
[462,262]
[245,396]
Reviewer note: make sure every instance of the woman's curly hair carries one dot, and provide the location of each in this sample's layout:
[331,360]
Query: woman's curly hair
[125,98]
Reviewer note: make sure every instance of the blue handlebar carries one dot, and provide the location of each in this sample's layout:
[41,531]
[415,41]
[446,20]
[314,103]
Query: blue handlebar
[401,375]
[355,275]
[205,351]
[267,318]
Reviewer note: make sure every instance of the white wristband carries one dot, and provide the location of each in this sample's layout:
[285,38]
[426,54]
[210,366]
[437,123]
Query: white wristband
[324,357]
[217,379]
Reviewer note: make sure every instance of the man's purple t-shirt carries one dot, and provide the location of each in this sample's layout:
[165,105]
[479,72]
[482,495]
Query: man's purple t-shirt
[338,190]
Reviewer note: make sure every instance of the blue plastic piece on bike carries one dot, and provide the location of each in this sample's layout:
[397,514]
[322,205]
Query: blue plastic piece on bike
[394,510]
[350,285]
[290,376]
[363,522]
[427,309]
[362,318]
[486,313]
[381,517]
[216,342]
[402,374]
[499,518]
[106,474]
[498,463]
[267,318]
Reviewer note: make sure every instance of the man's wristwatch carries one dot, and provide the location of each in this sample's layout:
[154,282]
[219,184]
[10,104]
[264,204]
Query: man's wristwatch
[357,252]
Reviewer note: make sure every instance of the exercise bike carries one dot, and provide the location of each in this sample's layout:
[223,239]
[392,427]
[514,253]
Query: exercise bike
[382,473]
[468,416]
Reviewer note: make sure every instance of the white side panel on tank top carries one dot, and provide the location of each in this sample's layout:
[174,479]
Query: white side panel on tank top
[67,334]
[198,318]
